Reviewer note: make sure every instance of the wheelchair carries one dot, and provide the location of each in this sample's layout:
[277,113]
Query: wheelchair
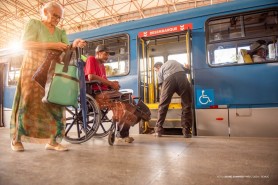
[75,132]
[99,123]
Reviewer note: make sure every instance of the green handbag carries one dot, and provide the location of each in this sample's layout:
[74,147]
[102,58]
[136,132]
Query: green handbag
[62,86]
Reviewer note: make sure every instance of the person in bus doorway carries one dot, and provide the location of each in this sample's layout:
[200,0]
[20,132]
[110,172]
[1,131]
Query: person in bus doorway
[258,51]
[32,120]
[95,70]
[173,79]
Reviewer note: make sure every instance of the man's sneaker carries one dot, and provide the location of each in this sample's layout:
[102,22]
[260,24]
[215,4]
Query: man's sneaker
[125,139]
[129,139]
[186,132]
[158,131]
[187,135]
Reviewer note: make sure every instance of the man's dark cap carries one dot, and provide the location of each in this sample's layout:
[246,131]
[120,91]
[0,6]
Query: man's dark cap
[102,47]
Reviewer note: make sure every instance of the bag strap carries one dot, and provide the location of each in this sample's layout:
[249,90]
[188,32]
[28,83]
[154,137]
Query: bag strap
[67,58]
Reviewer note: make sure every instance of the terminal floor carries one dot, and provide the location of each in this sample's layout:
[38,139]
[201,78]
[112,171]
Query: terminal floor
[169,160]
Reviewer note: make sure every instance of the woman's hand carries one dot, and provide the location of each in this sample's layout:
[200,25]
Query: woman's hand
[60,46]
[79,43]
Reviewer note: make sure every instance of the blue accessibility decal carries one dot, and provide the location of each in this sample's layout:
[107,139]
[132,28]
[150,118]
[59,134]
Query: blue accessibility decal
[205,97]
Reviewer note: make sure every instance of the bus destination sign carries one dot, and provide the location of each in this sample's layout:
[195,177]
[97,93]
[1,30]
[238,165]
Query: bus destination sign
[167,30]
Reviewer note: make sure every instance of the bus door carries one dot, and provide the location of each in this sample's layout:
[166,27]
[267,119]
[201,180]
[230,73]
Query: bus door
[160,48]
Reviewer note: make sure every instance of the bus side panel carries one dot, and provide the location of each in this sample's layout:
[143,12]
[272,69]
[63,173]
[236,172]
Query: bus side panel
[212,122]
[237,122]
[198,50]
[132,82]
[254,122]
[239,84]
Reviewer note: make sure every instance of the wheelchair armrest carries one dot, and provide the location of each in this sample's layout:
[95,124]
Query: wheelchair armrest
[89,85]
[93,82]
[137,98]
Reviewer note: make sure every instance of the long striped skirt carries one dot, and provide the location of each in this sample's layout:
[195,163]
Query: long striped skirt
[32,120]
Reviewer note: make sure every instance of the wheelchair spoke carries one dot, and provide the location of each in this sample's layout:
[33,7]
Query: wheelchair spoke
[75,131]
[70,111]
[68,128]
[105,125]
[78,129]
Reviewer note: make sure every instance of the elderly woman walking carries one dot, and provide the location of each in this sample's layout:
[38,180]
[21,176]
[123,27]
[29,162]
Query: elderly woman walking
[32,120]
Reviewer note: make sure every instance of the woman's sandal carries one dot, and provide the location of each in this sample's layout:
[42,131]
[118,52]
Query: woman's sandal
[57,147]
[17,146]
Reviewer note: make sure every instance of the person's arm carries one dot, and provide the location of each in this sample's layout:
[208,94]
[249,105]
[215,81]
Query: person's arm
[186,68]
[44,45]
[79,43]
[52,45]
[160,76]
[113,84]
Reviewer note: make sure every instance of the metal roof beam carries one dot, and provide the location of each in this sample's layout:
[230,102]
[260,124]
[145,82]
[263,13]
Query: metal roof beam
[110,13]
[139,8]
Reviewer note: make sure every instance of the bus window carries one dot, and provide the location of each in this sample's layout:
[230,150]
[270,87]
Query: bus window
[218,29]
[223,55]
[227,37]
[117,65]
[158,59]
[181,58]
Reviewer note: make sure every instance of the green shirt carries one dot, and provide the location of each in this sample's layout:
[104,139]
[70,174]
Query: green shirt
[36,31]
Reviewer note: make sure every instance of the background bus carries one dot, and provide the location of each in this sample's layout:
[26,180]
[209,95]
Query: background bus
[231,96]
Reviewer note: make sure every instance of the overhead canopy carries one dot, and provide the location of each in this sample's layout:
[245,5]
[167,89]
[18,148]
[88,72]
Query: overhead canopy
[86,14]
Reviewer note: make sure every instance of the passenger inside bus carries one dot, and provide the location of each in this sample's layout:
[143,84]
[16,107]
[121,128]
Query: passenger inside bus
[258,51]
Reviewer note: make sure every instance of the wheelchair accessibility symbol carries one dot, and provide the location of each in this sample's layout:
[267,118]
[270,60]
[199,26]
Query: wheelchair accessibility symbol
[205,97]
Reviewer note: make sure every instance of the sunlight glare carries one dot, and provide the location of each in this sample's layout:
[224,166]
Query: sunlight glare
[16,46]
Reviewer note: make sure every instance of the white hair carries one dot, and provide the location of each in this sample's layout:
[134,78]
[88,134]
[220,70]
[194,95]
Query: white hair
[49,6]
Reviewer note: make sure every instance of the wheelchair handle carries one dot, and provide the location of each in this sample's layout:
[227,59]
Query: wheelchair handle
[78,53]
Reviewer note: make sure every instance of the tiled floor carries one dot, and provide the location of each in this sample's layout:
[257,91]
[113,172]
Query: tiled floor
[169,160]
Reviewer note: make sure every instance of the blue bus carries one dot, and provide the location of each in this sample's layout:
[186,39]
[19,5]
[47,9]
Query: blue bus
[233,95]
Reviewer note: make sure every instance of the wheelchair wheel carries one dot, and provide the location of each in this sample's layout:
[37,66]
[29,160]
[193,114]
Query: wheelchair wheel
[74,130]
[105,125]
[112,135]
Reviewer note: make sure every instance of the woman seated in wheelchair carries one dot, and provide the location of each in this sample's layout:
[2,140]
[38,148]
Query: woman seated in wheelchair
[95,70]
